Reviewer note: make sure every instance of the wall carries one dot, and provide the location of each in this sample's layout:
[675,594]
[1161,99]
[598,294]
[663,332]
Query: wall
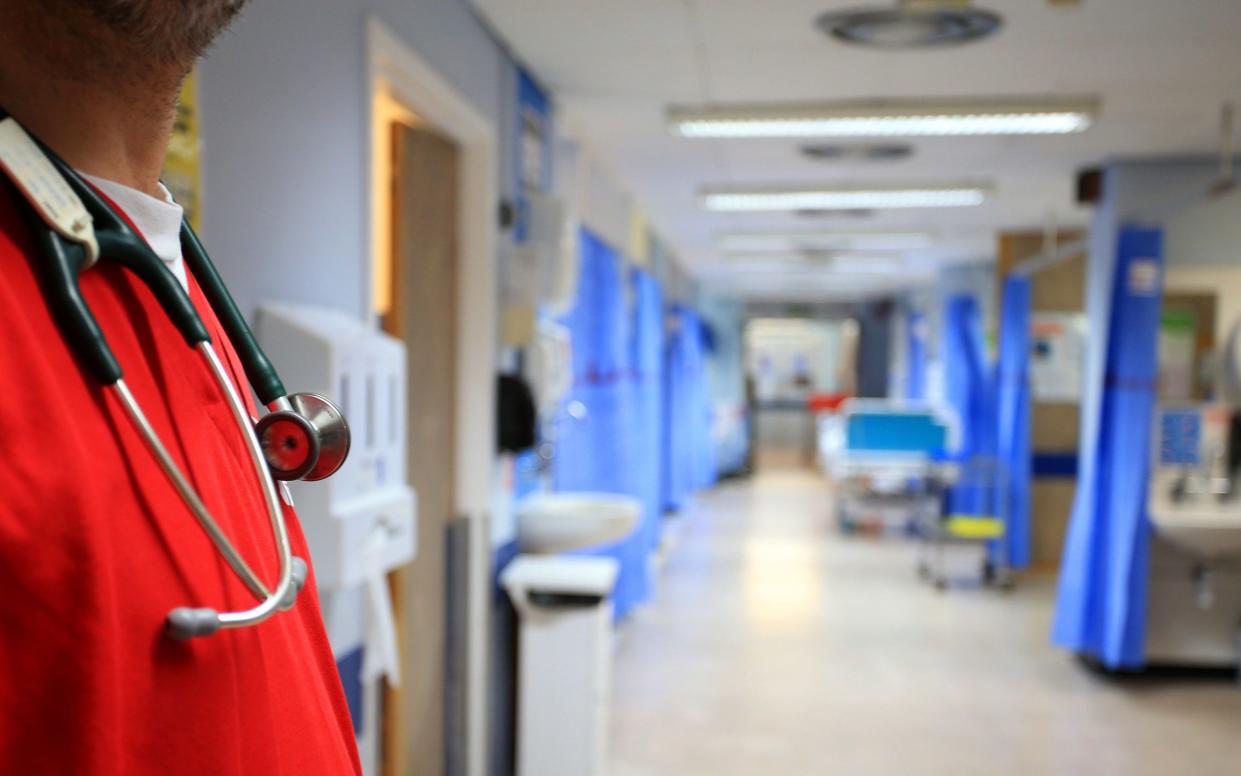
[1224,282]
[977,279]
[285,108]
[1203,243]
[1205,231]
[773,345]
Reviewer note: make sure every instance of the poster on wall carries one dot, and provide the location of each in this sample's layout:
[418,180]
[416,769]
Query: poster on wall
[1057,355]
[183,165]
[534,142]
[1178,355]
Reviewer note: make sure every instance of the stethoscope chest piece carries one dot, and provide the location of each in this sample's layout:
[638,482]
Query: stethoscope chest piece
[308,441]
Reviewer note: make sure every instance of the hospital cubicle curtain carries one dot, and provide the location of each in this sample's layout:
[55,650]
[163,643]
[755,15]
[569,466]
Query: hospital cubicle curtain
[915,356]
[647,342]
[970,391]
[602,452]
[1101,603]
[1013,420]
[689,450]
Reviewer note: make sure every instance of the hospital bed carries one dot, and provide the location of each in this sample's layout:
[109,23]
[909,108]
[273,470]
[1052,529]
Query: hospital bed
[888,463]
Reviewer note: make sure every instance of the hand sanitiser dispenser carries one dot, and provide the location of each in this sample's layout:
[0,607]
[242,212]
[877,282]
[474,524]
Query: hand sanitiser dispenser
[360,523]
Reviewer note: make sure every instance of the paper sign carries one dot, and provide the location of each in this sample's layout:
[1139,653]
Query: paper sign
[1144,277]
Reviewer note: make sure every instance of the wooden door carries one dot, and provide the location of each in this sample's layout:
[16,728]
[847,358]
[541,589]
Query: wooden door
[424,316]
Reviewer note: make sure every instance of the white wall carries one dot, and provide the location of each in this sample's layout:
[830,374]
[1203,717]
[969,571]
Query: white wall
[1203,248]
[1205,231]
[284,110]
[774,345]
[1224,282]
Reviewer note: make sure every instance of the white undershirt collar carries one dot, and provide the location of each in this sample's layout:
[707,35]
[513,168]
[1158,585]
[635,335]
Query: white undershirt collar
[159,220]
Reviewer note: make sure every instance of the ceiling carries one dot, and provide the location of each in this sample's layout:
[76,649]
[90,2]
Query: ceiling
[1160,67]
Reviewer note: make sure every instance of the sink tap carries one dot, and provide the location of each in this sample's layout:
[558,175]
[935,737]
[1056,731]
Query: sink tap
[550,430]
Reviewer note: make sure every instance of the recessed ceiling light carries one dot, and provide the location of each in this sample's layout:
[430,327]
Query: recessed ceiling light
[911,24]
[844,198]
[887,119]
[797,242]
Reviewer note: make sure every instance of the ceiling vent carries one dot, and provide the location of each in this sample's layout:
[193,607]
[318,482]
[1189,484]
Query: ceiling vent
[854,213]
[856,152]
[911,24]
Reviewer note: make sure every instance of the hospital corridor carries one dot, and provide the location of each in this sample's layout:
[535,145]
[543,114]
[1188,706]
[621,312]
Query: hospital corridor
[620,388]
[819,655]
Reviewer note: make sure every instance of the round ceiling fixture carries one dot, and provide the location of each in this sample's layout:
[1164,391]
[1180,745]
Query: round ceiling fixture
[862,152]
[911,24]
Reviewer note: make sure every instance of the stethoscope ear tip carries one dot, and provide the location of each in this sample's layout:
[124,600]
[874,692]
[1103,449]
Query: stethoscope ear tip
[185,623]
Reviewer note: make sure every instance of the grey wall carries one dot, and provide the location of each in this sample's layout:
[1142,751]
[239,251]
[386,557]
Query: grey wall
[285,108]
[285,112]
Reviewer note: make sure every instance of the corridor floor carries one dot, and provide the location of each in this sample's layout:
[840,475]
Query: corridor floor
[777,647]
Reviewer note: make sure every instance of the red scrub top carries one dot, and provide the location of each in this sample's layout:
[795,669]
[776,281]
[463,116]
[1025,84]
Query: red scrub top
[96,548]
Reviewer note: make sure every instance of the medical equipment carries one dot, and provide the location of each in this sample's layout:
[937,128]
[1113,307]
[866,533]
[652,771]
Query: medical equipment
[967,541]
[887,460]
[1194,600]
[362,523]
[303,436]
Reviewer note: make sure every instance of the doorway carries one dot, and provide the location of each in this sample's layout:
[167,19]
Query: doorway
[431,196]
[423,314]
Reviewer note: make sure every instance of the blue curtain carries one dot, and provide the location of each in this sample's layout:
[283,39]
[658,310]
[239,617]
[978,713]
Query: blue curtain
[970,391]
[1101,605]
[689,463]
[599,453]
[915,356]
[1013,422]
[648,361]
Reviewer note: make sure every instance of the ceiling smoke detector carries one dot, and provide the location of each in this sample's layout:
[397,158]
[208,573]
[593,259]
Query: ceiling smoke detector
[911,24]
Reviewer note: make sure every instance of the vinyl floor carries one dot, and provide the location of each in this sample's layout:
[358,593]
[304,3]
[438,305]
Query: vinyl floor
[777,646]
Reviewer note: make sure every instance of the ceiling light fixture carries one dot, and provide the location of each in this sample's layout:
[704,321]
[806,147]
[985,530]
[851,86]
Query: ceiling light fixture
[857,152]
[875,197]
[911,24]
[886,119]
[800,242]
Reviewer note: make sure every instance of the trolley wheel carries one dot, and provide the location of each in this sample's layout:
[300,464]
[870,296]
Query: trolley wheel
[989,576]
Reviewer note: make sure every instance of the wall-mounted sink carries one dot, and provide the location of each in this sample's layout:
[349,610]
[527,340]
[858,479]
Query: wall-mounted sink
[1203,525]
[1206,535]
[563,522]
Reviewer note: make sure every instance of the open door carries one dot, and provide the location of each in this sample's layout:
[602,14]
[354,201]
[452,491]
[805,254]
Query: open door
[423,314]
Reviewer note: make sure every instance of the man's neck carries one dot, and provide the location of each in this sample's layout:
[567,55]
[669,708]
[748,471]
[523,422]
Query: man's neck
[118,130]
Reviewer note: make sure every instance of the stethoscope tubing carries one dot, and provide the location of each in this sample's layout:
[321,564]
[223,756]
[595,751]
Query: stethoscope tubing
[59,274]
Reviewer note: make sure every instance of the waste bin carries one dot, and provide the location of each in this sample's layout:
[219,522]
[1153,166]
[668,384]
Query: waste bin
[564,656]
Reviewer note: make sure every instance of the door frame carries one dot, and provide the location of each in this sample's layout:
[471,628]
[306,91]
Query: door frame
[394,68]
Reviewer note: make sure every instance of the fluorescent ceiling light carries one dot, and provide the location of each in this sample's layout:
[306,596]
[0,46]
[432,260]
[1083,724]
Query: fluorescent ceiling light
[868,198]
[799,242]
[889,119]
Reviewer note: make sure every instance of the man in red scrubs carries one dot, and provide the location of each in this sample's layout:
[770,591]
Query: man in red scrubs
[95,545]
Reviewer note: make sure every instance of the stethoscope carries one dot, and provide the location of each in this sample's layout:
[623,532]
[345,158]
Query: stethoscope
[302,436]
